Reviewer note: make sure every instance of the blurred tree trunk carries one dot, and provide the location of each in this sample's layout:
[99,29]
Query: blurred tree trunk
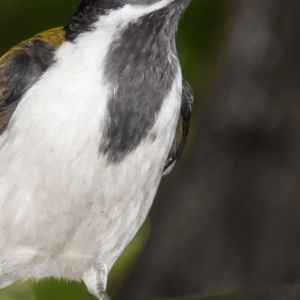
[230,216]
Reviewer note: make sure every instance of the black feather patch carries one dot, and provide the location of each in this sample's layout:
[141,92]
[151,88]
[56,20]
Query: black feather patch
[141,72]
[89,12]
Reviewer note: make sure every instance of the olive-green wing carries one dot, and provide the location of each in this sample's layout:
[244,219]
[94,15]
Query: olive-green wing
[182,129]
[22,66]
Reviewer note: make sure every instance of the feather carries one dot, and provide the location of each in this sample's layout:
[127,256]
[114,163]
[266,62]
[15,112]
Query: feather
[182,128]
[22,66]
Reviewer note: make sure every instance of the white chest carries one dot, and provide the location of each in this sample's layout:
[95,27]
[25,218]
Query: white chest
[60,199]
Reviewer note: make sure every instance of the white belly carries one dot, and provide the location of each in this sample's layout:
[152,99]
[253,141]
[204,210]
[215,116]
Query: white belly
[63,206]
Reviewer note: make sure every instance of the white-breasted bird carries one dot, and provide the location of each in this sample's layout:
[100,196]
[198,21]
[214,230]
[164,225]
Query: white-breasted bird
[91,116]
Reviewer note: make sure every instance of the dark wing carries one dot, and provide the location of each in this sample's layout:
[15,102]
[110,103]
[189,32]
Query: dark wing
[22,66]
[182,129]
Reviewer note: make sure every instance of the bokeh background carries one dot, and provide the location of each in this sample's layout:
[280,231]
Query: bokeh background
[228,217]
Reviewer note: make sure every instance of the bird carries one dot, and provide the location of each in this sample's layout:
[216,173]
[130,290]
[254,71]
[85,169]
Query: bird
[92,116]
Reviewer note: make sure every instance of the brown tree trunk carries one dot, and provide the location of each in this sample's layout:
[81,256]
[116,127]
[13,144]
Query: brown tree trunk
[230,216]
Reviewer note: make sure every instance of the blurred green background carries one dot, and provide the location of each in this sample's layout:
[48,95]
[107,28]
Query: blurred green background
[198,44]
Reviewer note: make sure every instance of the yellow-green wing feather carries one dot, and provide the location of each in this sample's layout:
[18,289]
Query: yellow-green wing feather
[22,66]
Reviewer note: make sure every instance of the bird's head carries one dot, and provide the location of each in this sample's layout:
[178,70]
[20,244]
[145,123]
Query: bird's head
[89,12]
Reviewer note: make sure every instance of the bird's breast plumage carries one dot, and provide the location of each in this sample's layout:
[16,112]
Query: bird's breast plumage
[86,148]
